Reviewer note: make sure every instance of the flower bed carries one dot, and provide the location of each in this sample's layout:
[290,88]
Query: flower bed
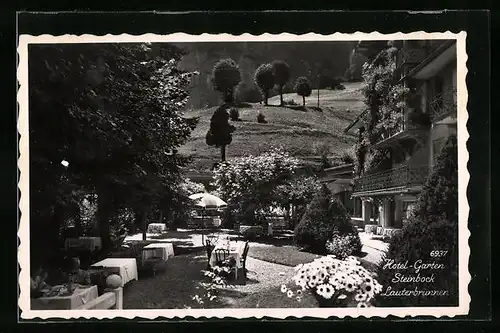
[335,283]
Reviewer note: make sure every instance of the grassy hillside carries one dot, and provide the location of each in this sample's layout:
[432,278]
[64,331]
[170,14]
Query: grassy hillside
[304,58]
[298,131]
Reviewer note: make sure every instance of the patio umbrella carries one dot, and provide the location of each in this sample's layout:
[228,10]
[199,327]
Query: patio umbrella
[207,201]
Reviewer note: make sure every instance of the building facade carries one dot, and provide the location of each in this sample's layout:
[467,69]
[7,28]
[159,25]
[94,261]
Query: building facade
[388,195]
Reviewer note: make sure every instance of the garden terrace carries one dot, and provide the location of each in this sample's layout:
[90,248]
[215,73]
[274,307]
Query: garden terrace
[399,179]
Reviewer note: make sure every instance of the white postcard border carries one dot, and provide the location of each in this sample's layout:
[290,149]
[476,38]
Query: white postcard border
[23,164]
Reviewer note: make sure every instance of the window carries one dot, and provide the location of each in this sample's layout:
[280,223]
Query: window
[357,208]
[407,207]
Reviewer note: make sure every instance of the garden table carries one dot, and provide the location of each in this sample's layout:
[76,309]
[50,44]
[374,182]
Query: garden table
[156,228]
[126,267]
[235,250]
[80,296]
[158,250]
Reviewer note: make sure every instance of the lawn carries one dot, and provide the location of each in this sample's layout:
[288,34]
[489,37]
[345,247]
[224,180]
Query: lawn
[283,255]
[290,255]
[297,131]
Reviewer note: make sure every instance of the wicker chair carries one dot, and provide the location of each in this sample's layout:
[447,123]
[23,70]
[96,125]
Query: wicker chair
[209,247]
[221,255]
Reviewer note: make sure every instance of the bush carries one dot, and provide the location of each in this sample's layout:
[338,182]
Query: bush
[261,118]
[234,114]
[432,226]
[323,218]
[343,246]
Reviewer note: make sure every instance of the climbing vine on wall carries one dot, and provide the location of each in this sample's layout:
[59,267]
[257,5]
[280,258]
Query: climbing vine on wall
[385,100]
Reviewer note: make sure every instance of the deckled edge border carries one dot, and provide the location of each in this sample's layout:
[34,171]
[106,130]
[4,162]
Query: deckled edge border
[176,314]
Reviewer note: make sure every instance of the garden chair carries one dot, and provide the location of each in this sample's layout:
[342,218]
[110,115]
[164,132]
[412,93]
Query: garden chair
[244,259]
[223,258]
[209,247]
[221,255]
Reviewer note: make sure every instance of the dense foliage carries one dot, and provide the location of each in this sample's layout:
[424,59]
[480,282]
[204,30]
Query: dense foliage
[250,184]
[281,72]
[112,111]
[264,79]
[303,88]
[324,217]
[432,226]
[220,132]
[342,246]
[226,76]
[386,99]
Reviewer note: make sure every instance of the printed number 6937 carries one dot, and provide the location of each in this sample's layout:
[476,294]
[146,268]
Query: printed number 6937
[438,253]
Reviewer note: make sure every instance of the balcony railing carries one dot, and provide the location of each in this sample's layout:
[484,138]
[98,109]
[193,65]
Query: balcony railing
[404,176]
[443,105]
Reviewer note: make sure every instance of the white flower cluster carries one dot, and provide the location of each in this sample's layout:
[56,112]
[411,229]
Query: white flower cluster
[332,278]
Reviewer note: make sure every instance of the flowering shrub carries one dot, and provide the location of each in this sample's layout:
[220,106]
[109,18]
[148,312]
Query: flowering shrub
[335,283]
[343,246]
[251,183]
[218,279]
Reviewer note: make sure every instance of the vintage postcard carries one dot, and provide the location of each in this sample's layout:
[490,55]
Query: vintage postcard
[243,176]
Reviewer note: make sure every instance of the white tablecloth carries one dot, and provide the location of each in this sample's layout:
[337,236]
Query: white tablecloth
[235,250]
[127,268]
[79,297]
[158,250]
[155,228]
[89,243]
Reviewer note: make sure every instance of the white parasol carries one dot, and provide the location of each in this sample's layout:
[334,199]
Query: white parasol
[207,201]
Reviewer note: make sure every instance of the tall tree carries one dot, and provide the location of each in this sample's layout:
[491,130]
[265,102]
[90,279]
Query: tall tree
[226,76]
[220,132]
[303,88]
[281,72]
[264,79]
[113,112]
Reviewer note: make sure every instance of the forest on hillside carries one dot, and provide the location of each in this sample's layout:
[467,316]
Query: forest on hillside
[309,59]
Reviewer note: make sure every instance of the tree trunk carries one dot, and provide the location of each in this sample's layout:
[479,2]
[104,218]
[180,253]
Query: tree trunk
[294,216]
[103,216]
[266,97]
[144,225]
[228,98]
[137,220]
[223,153]
[160,220]
[303,101]
[281,96]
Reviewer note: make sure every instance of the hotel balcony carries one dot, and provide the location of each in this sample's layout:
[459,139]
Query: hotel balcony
[443,105]
[396,180]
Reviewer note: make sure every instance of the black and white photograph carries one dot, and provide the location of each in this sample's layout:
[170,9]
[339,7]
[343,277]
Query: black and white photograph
[278,175]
